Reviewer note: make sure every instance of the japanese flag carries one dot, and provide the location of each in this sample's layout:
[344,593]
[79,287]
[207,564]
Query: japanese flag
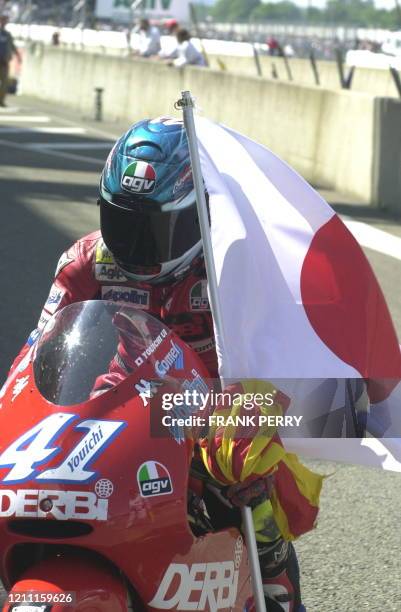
[300,303]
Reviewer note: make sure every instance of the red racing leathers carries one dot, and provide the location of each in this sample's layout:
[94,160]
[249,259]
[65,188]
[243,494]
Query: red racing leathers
[88,271]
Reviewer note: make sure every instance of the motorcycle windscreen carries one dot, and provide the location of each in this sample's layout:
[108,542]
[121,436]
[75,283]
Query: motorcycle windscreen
[90,347]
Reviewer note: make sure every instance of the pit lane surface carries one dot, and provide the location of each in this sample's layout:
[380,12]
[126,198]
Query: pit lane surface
[50,162]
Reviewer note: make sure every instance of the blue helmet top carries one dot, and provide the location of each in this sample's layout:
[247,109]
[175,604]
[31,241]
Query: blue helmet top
[151,160]
[148,210]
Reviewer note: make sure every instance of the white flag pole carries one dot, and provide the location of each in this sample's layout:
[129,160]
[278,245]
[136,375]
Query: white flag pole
[186,103]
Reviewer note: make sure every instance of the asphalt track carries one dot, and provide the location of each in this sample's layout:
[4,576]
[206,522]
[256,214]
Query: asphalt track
[50,162]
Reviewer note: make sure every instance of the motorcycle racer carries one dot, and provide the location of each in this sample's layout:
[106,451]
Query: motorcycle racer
[148,253]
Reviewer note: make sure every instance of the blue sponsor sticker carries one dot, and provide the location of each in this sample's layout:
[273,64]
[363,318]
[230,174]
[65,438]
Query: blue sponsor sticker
[33,337]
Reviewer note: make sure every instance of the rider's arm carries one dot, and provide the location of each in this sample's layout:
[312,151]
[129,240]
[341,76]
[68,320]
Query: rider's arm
[73,282]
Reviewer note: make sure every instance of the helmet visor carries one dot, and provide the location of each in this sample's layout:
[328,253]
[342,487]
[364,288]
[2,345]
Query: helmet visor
[148,236]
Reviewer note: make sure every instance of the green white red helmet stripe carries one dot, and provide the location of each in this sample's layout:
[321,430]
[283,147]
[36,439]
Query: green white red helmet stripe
[141,169]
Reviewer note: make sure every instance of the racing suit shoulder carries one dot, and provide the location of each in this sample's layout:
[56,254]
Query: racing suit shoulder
[74,281]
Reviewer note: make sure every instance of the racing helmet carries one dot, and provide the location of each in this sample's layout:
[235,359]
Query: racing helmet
[148,216]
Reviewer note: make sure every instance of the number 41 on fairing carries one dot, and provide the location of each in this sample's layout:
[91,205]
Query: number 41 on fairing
[35,448]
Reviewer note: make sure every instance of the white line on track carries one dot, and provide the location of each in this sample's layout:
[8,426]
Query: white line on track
[81,158]
[113,136]
[25,118]
[43,130]
[375,239]
[68,145]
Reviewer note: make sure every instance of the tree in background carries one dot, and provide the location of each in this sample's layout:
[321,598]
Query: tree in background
[355,12]
[234,11]
[337,12]
[202,10]
[279,11]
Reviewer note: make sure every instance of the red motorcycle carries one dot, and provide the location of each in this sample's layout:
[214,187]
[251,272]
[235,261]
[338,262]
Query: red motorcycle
[93,483]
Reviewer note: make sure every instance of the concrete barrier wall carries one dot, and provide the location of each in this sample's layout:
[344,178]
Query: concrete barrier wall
[236,57]
[369,80]
[328,136]
[386,177]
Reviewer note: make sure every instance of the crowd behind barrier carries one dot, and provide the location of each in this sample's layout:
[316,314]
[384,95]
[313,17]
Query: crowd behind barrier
[113,41]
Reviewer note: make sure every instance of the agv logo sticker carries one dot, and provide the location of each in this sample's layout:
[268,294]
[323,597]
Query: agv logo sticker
[139,177]
[154,479]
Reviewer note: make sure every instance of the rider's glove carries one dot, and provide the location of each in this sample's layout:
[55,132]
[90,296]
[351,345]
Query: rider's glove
[251,493]
[240,445]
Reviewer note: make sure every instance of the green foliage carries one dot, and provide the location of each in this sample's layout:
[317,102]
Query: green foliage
[234,11]
[354,12]
[342,12]
[201,10]
[280,11]
[314,15]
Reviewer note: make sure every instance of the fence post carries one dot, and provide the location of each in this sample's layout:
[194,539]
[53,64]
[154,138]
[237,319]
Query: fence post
[348,80]
[287,66]
[396,77]
[315,69]
[340,67]
[257,60]
[99,103]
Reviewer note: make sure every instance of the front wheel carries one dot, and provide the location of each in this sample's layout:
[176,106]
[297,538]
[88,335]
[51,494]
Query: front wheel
[69,582]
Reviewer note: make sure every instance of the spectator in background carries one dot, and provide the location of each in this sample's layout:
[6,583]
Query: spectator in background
[170,47]
[7,50]
[275,48]
[188,54]
[149,39]
[171,26]
[288,50]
